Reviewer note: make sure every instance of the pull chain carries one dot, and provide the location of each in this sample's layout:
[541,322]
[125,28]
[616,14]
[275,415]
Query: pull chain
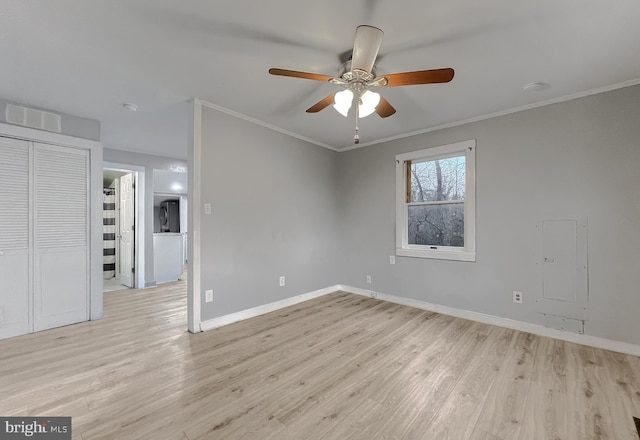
[356,138]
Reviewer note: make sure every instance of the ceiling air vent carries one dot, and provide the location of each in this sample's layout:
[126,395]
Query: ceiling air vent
[33,118]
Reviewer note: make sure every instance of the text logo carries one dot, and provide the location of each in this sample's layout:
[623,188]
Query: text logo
[37,428]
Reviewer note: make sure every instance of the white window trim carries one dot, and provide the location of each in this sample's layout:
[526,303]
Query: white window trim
[403,249]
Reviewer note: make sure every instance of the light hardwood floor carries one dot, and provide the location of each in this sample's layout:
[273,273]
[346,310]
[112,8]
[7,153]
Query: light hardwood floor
[337,367]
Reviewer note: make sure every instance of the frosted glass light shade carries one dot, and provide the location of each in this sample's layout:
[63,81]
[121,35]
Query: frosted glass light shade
[343,102]
[368,102]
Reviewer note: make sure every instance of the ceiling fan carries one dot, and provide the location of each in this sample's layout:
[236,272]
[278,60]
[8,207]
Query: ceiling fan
[357,77]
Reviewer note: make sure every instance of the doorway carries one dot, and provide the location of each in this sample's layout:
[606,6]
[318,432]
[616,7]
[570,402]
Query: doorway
[120,222]
[170,225]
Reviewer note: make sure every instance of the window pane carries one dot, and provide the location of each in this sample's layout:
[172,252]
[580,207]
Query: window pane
[438,180]
[437,225]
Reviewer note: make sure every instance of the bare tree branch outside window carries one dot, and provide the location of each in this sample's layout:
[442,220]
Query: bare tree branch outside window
[436,210]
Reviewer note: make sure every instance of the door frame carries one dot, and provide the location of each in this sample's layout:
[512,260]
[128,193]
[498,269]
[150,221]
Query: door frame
[139,216]
[96,199]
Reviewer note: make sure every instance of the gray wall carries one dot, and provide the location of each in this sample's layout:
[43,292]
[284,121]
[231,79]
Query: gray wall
[71,125]
[577,159]
[275,212]
[150,163]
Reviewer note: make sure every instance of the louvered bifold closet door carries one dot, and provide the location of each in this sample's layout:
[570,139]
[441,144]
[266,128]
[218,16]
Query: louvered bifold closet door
[14,237]
[61,236]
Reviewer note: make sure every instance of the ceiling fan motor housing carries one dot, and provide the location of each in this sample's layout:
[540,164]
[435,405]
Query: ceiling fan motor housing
[346,73]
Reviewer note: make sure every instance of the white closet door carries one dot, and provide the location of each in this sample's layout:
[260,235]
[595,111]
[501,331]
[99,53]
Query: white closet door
[61,236]
[14,238]
[127,216]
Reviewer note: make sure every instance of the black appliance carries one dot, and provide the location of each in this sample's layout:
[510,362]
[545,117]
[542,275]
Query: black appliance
[170,216]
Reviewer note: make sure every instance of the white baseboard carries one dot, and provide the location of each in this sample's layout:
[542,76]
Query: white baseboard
[592,341]
[261,310]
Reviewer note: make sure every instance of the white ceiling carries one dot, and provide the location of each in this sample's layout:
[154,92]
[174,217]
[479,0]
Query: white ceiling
[87,57]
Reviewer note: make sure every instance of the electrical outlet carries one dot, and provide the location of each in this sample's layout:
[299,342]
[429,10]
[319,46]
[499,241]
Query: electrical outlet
[368,279]
[207,208]
[208,296]
[392,259]
[282,281]
[517,297]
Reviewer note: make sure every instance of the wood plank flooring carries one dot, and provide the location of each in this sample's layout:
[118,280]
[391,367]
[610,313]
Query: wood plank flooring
[334,368]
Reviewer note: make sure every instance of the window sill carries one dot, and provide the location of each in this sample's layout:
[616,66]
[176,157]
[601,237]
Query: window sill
[440,254]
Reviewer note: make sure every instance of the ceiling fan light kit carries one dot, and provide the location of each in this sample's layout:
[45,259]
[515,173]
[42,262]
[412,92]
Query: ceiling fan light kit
[367,102]
[357,76]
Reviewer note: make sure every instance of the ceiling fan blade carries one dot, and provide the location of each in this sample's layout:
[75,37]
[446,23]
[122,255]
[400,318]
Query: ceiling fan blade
[384,109]
[365,47]
[419,77]
[298,74]
[322,104]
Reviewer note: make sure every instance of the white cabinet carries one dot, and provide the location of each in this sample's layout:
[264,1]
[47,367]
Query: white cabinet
[44,236]
[168,259]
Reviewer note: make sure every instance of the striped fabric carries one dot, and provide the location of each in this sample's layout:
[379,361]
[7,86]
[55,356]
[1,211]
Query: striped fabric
[109,233]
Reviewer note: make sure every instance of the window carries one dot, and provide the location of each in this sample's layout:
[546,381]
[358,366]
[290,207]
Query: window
[435,201]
